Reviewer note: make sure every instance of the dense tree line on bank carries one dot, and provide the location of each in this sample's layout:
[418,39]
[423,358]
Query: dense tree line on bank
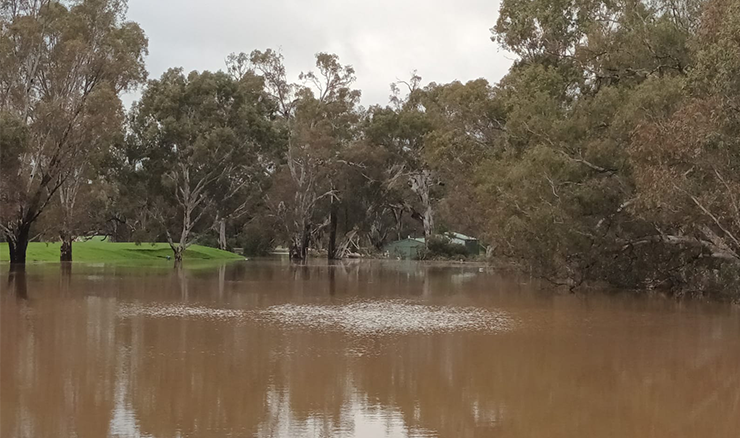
[609,152]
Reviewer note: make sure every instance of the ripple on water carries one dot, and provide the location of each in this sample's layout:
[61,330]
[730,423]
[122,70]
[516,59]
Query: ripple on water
[179,311]
[388,317]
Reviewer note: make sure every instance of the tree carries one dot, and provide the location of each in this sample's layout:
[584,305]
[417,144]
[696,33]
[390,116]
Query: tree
[401,129]
[63,66]
[466,129]
[82,205]
[327,119]
[367,199]
[201,138]
[318,117]
[239,191]
[80,210]
[686,159]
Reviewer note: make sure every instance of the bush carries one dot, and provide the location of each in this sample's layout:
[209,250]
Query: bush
[442,247]
[256,242]
[209,239]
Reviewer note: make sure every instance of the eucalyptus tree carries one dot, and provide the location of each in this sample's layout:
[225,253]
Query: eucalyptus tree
[563,194]
[81,209]
[686,157]
[201,139]
[241,190]
[433,138]
[327,117]
[63,66]
[317,116]
[466,128]
[401,129]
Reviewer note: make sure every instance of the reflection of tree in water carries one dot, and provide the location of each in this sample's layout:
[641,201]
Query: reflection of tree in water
[65,278]
[208,376]
[197,377]
[427,380]
[202,377]
[57,369]
[566,386]
[17,281]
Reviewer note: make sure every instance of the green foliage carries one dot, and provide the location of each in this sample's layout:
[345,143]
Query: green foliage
[201,146]
[619,140]
[13,144]
[256,242]
[442,247]
[209,239]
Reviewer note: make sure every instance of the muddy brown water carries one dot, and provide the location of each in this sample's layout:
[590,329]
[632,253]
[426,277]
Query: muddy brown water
[365,349]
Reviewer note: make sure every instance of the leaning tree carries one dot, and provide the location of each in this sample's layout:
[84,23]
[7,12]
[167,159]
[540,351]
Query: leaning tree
[63,66]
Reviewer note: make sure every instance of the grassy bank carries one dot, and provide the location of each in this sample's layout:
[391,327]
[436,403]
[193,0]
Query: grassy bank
[103,251]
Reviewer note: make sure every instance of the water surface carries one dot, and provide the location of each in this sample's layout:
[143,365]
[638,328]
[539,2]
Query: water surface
[361,349]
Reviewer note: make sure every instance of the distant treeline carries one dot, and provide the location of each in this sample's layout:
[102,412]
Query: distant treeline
[608,153]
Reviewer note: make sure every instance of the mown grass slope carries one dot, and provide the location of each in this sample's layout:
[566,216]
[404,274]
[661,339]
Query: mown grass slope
[103,251]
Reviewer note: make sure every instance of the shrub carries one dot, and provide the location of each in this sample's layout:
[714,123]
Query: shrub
[209,239]
[256,241]
[442,247]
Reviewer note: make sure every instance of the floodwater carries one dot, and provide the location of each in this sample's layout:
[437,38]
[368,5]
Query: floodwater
[363,349]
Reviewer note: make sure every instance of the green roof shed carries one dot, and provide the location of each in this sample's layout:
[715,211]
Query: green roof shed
[405,249]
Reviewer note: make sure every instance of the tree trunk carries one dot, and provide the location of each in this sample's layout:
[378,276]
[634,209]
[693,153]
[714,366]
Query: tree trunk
[295,253]
[421,184]
[428,221]
[305,239]
[65,253]
[398,216]
[304,247]
[18,244]
[178,250]
[378,237]
[299,243]
[222,234]
[332,253]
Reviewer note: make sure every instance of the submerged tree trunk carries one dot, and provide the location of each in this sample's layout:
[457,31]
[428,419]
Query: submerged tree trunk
[299,249]
[178,251]
[182,280]
[65,253]
[67,200]
[305,243]
[332,253]
[189,200]
[18,243]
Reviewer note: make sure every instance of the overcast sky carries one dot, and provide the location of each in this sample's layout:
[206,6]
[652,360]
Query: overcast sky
[385,40]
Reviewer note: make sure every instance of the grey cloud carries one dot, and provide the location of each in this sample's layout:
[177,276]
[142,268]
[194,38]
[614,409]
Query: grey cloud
[384,40]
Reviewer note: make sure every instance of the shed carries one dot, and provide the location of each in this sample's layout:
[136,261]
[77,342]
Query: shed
[471,244]
[406,249]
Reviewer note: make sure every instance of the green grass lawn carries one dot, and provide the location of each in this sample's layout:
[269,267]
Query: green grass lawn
[103,251]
